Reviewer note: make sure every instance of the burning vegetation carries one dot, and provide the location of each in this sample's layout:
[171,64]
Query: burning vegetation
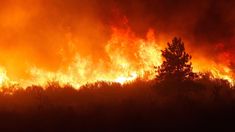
[58,41]
[127,57]
[116,65]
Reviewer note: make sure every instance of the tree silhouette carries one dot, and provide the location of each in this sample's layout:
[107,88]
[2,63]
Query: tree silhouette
[177,65]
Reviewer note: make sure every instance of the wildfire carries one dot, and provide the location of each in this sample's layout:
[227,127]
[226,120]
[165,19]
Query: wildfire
[3,76]
[124,57]
[217,70]
[129,57]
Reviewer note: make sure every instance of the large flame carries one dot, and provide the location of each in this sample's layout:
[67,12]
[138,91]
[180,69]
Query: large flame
[44,41]
[129,57]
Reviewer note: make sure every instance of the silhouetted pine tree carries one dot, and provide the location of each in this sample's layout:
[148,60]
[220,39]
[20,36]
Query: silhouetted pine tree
[177,65]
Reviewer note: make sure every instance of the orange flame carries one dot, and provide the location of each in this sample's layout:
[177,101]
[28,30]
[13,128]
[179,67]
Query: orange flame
[36,34]
[128,57]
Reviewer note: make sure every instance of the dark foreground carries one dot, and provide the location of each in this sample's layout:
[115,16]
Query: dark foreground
[140,106]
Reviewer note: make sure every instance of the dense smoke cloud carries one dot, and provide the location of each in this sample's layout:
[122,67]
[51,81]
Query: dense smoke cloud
[48,33]
[208,25]
[208,20]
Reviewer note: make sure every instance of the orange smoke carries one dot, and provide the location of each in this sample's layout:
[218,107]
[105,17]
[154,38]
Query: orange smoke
[53,40]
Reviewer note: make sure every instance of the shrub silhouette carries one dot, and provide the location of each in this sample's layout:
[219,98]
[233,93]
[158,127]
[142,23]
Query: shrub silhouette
[104,106]
[137,106]
[177,65]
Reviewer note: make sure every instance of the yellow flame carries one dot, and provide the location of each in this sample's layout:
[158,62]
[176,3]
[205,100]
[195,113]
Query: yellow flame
[3,77]
[128,57]
[217,70]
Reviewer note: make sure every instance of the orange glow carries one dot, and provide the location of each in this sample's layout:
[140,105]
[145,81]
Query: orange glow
[217,70]
[3,77]
[38,45]
[129,57]
[124,63]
